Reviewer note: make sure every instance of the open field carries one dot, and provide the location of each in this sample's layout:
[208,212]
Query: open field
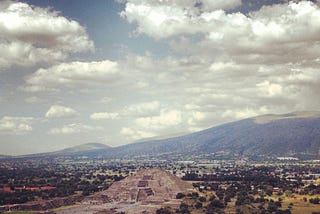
[299,205]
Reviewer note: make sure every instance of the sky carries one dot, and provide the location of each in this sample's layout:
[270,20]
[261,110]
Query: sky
[122,71]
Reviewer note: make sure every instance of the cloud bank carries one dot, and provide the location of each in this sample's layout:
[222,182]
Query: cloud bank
[219,65]
[58,111]
[15,125]
[30,35]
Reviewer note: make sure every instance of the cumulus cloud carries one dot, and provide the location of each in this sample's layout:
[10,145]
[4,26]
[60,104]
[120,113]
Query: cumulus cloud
[143,109]
[270,89]
[73,128]
[162,19]
[195,117]
[209,92]
[167,118]
[153,125]
[58,111]
[291,32]
[73,74]
[240,65]
[15,125]
[244,113]
[158,21]
[104,116]
[29,35]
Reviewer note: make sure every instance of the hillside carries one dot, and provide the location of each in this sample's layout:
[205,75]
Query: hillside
[82,149]
[88,149]
[269,135]
[5,156]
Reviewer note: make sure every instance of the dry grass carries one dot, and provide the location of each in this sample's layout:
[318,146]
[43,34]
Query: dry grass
[299,205]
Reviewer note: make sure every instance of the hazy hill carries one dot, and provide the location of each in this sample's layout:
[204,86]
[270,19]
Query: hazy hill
[82,149]
[5,156]
[89,149]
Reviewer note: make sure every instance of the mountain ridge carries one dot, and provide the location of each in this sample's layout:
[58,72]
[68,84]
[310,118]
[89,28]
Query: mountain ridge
[78,150]
[83,148]
[294,115]
[296,133]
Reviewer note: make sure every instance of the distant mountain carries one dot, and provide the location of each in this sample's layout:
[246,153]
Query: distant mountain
[5,156]
[296,134]
[82,149]
[88,149]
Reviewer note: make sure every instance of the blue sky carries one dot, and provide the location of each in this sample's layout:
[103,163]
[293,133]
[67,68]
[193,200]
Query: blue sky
[110,33]
[117,72]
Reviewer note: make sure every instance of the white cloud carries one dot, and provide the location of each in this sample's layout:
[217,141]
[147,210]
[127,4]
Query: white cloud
[255,38]
[209,92]
[58,111]
[133,134]
[142,109]
[29,35]
[167,118]
[162,19]
[15,125]
[73,128]
[238,65]
[153,19]
[245,113]
[166,121]
[74,74]
[34,100]
[138,110]
[202,91]
[104,116]
[195,117]
[270,89]
[259,37]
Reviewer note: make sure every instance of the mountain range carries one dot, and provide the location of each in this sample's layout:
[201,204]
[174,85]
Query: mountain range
[295,134]
[77,150]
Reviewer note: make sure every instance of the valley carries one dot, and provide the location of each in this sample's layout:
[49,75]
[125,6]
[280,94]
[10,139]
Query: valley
[155,186]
